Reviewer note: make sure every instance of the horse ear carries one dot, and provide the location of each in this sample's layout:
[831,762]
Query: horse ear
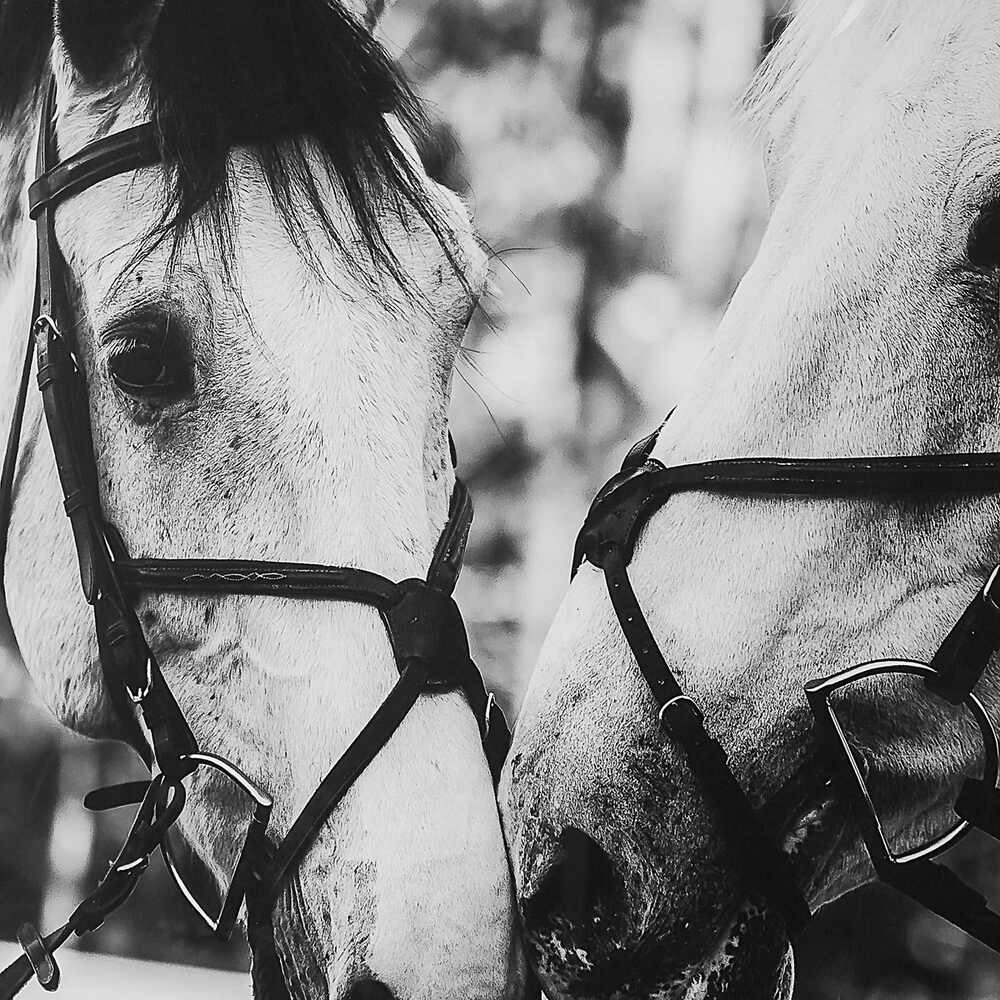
[100,37]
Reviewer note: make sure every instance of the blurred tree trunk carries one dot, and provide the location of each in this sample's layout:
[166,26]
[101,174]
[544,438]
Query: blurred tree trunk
[29,785]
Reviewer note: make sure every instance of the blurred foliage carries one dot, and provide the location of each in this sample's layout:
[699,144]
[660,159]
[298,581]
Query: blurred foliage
[597,145]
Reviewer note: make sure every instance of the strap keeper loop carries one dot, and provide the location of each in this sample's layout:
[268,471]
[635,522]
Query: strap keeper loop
[78,500]
[48,374]
[41,958]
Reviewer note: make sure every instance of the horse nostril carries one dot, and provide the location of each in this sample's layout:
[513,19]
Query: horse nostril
[581,887]
[368,989]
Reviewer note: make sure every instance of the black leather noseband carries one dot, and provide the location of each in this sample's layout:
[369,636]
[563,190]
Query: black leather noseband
[607,541]
[421,618]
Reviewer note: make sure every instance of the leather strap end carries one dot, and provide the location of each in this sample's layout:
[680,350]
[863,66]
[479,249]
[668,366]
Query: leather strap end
[936,887]
[83,537]
[15,977]
[449,553]
[129,793]
[979,804]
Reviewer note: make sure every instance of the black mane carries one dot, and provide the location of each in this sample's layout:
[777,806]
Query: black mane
[211,67]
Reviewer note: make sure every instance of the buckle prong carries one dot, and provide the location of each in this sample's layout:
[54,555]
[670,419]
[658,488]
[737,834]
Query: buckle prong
[988,588]
[488,714]
[137,697]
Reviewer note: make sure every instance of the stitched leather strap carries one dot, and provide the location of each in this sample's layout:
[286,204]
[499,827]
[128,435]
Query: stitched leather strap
[144,146]
[765,867]
[118,153]
[249,576]
[651,485]
[265,964]
[147,831]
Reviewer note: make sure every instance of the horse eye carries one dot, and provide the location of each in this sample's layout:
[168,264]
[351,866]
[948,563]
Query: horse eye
[143,369]
[983,250]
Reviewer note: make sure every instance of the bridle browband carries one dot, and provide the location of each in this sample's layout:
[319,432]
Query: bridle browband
[423,622]
[607,541]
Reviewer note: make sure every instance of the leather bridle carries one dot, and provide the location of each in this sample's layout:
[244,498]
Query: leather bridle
[607,541]
[423,622]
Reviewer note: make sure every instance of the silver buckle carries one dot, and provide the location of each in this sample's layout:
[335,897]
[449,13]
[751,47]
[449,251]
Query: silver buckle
[673,701]
[988,589]
[138,697]
[488,714]
[46,320]
[139,865]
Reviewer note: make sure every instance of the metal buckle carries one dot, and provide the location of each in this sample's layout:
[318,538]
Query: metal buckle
[488,714]
[138,697]
[47,321]
[670,703]
[988,589]
[913,872]
[138,866]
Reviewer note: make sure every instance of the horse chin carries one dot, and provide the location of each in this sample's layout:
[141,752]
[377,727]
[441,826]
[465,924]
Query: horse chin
[751,960]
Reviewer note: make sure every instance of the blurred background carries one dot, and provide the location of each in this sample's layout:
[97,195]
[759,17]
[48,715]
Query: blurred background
[597,144]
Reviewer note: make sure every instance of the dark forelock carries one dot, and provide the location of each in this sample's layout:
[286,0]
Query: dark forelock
[211,67]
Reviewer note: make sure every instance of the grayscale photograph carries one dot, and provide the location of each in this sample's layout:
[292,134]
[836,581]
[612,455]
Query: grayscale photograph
[500,499]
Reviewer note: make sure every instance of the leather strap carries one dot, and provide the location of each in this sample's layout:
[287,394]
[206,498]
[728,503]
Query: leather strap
[966,651]
[39,954]
[259,577]
[118,153]
[762,863]
[649,486]
[352,762]
[446,563]
[941,890]
[146,145]
[265,965]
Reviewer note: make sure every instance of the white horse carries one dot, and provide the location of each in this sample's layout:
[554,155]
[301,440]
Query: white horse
[867,325]
[268,336]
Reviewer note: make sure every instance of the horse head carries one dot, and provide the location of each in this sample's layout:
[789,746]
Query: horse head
[867,326]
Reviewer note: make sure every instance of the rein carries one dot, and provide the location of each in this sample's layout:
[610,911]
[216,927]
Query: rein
[423,622]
